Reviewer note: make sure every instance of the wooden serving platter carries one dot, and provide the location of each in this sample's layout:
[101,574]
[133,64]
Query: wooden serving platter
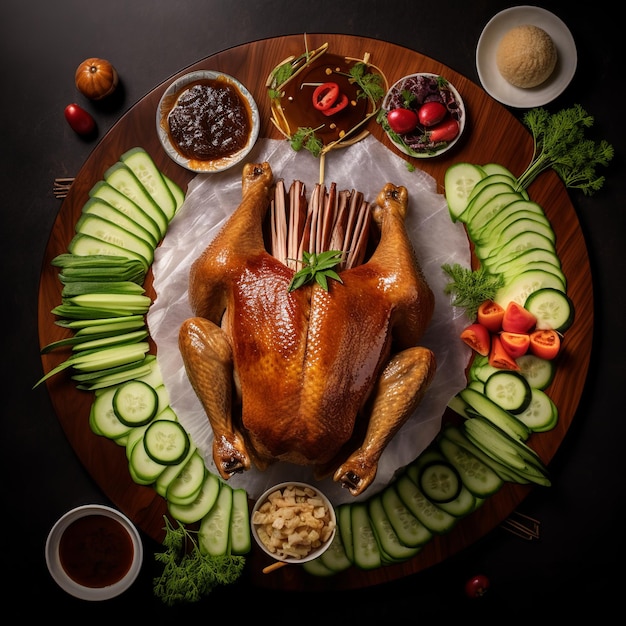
[492,134]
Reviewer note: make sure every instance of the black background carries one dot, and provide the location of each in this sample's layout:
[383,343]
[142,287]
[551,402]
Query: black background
[576,563]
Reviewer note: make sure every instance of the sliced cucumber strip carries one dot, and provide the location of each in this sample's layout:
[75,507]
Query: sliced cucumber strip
[389,542]
[335,557]
[240,536]
[366,552]
[187,484]
[135,403]
[344,526]
[214,532]
[409,529]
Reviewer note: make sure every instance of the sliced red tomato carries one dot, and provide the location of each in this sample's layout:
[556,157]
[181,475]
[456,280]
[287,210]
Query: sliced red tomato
[545,344]
[490,315]
[340,104]
[516,344]
[499,357]
[477,337]
[325,96]
[517,319]
[444,131]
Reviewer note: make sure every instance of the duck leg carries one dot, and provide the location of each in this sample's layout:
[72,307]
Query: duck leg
[399,389]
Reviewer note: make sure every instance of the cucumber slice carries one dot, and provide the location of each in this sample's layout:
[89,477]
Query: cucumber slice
[491,411]
[135,403]
[165,441]
[439,481]
[508,214]
[187,484]
[175,190]
[104,419]
[542,414]
[143,468]
[478,226]
[478,478]
[214,532]
[123,203]
[524,258]
[344,526]
[526,283]
[122,178]
[335,557]
[104,230]
[149,175]
[552,308]
[366,552]
[240,536]
[537,371]
[86,245]
[459,180]
[482,197]
[388,540]
[509,390]
[435,519]
[490,179]
[203,503]
[410,530]
[316,567]
[171,471]
[517,227]
[97,206]
[516,269]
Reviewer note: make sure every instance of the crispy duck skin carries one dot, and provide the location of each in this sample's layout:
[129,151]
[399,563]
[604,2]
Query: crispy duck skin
[308,377]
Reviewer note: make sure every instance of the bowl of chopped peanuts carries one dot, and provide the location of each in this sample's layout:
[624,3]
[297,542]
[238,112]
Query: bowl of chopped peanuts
[293,522]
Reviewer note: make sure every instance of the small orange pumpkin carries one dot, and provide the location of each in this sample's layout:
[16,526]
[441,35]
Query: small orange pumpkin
[96,78]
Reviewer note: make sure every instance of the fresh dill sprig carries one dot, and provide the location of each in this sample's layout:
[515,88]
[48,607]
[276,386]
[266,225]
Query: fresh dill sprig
[188,574]
[471,288]
[369,82]
[318,267]
[559,142]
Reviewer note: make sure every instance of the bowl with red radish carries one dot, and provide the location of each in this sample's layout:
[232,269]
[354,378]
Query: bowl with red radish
[423,115]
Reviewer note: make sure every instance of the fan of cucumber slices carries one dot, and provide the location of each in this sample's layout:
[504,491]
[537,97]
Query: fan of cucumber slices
[104,304]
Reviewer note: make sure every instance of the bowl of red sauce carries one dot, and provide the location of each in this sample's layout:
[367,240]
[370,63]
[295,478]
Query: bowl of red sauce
[94,552]
[207,121]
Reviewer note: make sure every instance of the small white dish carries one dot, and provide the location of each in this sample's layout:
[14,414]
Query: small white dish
[398,87]
[170,98]
[494,83]
[257,529]
[94,552]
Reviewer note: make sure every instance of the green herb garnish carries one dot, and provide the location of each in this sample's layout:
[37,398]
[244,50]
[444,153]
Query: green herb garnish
[559,143]
[318,267]
[188,574]
[369,82]
[307,139]
[471,287]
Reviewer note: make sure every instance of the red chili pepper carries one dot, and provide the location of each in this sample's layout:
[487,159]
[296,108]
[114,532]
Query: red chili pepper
[325,96]
[340,105]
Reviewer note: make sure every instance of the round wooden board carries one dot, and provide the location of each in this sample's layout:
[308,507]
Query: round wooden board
[492,134]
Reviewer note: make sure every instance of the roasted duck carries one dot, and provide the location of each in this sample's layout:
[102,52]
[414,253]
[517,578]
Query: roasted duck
[310,377]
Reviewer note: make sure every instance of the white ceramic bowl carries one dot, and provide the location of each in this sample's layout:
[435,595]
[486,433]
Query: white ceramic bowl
[495,84]
[78,551]
[313,553]
[396,89]
[169,99]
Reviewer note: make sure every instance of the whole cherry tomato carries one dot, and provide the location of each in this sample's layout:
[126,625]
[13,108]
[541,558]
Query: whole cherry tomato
[545,344]
[476,586]
[79,119]
[431,113]
[517,319]
[402,121]
[444,131]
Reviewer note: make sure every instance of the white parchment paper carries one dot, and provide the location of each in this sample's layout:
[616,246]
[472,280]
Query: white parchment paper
[366,166]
